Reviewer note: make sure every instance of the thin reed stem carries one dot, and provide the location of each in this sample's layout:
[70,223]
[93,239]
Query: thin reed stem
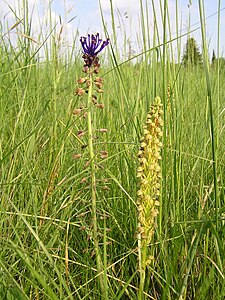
[211,115]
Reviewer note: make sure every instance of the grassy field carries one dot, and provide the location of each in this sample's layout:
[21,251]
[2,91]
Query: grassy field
[46,245]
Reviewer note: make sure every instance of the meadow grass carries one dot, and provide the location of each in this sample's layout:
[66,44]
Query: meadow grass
[46,247]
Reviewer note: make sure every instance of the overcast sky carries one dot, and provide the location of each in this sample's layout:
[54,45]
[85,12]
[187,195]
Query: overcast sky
[83,16]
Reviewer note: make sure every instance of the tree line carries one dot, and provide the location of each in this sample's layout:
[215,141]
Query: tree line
[193,56]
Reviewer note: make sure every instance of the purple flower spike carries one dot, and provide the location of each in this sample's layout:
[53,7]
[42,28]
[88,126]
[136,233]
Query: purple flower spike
[92,44]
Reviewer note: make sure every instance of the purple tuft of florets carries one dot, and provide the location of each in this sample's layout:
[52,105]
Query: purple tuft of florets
[92,44]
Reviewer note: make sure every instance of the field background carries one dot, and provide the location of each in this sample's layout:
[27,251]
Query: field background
[45,246]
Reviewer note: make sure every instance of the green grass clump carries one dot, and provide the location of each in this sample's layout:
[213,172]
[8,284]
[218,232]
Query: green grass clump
[46,249]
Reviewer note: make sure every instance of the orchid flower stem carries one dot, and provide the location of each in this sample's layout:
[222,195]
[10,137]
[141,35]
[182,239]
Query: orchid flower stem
[93,187]
[142,266]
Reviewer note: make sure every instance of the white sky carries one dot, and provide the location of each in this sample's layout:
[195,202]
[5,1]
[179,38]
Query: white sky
[127,13]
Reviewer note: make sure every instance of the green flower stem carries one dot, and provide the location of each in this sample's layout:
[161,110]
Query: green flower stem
[142,266]
[93,187]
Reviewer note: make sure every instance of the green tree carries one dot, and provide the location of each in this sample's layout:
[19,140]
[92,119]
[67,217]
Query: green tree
[219,62]
[192,54]
[213,57]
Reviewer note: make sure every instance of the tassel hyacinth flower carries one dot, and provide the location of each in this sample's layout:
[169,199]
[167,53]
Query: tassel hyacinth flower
[92,45]
[91,85]
[149,176]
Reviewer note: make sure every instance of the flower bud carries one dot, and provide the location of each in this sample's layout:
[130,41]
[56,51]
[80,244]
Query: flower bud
[103,130]
[77,111]
[94,99]
[100,105]
[81,80]
[103,154]
[99,79]
[98,84]
[83,180]
[85,115]
[80,92]
[106,188]
[80,133]
[77,156]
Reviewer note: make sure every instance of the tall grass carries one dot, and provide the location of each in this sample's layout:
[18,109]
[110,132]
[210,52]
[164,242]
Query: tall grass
[46,249]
